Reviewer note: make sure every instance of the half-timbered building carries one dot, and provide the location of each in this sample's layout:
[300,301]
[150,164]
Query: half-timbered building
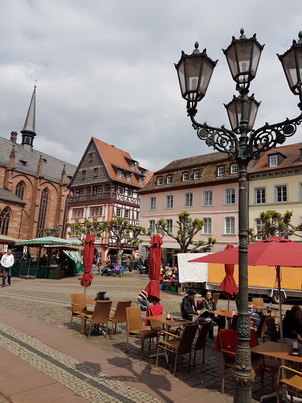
[105,186]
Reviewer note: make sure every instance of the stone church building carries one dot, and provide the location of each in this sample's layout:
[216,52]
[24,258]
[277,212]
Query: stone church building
[33,185]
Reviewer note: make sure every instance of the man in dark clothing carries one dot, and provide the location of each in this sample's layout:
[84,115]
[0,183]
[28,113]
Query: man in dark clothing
[188,306]
[292,323]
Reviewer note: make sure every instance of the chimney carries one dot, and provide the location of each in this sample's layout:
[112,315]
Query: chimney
[13,137]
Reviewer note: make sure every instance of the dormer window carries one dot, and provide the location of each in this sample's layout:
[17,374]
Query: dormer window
[128,177]
[234,168]
[220,171]
[196,175]
[185,176]
[273,160]
[132,166]
[119,174]
[159,180]
[169,179]
[140,180]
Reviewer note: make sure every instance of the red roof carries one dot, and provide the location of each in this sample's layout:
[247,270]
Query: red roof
[116,159]
[291,158]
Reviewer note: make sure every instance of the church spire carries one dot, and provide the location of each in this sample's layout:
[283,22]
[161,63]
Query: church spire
[28,131]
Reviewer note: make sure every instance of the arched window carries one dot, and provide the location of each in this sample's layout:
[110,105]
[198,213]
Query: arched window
[20,189]
[42,212]
[4,221]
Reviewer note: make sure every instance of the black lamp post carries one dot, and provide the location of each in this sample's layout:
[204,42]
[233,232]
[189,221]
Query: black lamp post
[242,144]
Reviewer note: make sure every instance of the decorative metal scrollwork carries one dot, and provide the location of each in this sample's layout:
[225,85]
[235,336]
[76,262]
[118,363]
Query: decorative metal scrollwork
[260,140]
[269,136]
[220,139]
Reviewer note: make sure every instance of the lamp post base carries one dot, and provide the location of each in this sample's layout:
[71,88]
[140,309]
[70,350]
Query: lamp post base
[243,381]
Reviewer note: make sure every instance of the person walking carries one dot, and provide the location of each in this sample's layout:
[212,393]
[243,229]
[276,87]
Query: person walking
[7,262]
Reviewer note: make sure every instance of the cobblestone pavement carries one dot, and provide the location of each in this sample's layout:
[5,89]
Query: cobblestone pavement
[48,301]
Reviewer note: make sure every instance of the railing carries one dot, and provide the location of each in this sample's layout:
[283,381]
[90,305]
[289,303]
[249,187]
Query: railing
[102,196]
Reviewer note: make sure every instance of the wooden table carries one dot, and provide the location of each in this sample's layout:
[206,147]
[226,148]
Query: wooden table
[168,322]
[278,350]
[226,314]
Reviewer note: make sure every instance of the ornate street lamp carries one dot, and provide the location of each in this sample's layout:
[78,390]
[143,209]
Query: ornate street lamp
[242,144]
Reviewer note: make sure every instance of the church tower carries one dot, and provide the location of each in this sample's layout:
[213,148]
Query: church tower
[28,131]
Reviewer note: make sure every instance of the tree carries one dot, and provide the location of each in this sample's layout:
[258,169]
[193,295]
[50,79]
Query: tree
[187,229]
[119,231]
[123,234]
[80,229]
[274,223]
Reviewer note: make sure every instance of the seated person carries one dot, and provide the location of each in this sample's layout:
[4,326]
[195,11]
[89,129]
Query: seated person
[209,305]
[292,323]
[143,300]
[188,306]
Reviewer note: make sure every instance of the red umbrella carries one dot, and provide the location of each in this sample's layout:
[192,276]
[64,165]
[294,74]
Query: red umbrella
[88,261]
[228,285]
[268,252]
[154,262]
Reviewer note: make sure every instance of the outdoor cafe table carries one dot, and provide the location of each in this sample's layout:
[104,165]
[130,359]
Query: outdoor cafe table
[226,314]
[277,350]
[168,322]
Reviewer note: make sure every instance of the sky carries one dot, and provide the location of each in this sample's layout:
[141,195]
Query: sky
[105,69]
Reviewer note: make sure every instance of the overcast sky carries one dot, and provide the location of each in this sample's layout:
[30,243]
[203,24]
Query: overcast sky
[105,69]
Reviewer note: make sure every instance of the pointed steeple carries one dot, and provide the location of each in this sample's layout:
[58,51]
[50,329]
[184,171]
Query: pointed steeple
[28,131]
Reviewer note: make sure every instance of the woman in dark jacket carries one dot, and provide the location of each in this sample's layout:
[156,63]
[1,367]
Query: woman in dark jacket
[209,305]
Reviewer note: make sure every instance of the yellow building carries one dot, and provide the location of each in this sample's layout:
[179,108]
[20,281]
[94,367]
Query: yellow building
[275,183]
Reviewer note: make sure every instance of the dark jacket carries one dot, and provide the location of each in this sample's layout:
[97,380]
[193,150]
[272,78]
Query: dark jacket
[188,307]
[291,326]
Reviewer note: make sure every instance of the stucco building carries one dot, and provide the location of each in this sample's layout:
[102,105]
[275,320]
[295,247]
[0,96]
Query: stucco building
[275,183]
[206,186]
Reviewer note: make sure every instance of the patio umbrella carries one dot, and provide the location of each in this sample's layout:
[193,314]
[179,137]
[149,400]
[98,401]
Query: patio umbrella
[6,239]
[228,285]
[88,257]
[274,251]
[48,241]
[154,262]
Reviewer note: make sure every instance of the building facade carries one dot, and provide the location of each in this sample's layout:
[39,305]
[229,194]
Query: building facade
[275,183]
[105,186]
[206,186]
[33,185]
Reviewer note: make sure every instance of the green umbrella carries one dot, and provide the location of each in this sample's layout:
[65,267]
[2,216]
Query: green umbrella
[48,241]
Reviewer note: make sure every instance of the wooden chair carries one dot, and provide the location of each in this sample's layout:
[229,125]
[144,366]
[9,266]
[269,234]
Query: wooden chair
[216,296]
[78,306]
[200,341]
[135,328]
[234,322]
[100,316]
[260,332]
[289,379]
[271,328]
[151,311]
[227,345]
[119,315]
[178,345]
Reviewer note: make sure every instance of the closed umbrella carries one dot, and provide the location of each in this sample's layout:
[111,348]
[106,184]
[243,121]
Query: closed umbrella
[228,285]
[154,262]
[88,257]
[274,251]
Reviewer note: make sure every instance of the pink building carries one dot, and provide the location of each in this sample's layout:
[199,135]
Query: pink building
[206,186]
